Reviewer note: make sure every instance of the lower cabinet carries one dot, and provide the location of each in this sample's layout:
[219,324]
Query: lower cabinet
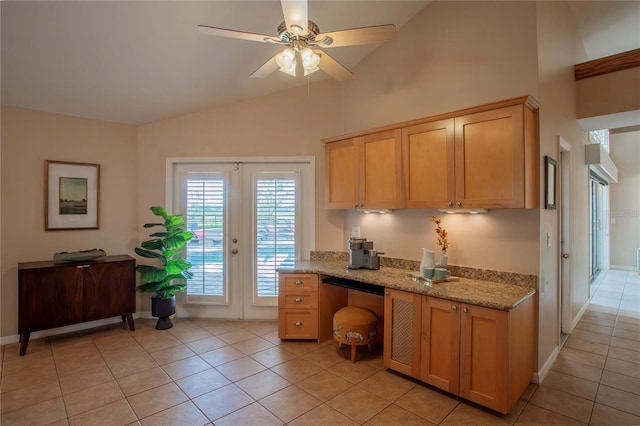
[484,355]
[401,349]
[306,308]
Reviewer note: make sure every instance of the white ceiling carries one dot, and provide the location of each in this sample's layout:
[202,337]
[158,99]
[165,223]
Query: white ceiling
[142,61]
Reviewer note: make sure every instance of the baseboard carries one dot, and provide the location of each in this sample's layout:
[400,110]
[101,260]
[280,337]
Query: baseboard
[539,376]
[6,340]
[578,317]
[623,267]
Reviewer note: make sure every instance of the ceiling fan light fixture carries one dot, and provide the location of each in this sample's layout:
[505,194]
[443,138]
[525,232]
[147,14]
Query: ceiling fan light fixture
[285,58]
[310,60]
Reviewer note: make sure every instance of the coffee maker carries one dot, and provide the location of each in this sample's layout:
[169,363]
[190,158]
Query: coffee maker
[362,255]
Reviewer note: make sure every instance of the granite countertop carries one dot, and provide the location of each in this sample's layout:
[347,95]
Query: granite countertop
[476,292]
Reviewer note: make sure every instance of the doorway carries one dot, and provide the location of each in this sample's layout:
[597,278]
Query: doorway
[249,217]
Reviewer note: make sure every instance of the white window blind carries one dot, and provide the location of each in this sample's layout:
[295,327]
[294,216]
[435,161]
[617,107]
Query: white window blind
[275,223]
[206,219]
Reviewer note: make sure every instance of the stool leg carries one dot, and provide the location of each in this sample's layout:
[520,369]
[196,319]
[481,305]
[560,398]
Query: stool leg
[353,353]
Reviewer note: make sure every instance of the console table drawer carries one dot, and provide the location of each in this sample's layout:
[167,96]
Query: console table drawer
[298,324]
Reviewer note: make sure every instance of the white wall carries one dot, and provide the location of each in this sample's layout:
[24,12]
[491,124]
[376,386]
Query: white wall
[557,39]
[624,196]
[28,139]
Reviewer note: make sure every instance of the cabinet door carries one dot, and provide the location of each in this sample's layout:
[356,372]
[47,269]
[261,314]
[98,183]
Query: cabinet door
[49,297]
[108,289]
[429,164]
[341,172]
[490,159]
[381,170]
[440,344]
[402,331]
[484,356]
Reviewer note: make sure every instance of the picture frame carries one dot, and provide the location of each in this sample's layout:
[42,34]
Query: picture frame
[72,196]
[550,174]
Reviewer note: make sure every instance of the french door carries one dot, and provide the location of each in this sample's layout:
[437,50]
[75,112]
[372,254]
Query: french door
[249,218]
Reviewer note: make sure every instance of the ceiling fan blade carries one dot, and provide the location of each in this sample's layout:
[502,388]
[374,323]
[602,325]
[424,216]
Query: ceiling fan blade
[332,67]
[355,36]
[222,32]
[295,13]
[266,68]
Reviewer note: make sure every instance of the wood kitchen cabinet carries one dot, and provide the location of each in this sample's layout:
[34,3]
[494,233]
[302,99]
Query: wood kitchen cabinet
[55,294]
[401,349]
[484,355]
[483,159]
[365,172]
[480,157]
[481,354]
[429,164]
[496,158]
[306,308]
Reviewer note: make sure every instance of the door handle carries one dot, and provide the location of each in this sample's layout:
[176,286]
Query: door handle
[234,251]
[565,255]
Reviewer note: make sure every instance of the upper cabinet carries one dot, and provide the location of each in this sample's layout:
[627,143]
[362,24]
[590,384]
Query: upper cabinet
[429,164]
[496,159]
[482,157]
[365,172]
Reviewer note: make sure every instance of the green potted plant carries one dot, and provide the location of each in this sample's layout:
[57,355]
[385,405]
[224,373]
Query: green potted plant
[166,247]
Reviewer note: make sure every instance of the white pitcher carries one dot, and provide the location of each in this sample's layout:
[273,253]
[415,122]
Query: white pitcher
[428,259]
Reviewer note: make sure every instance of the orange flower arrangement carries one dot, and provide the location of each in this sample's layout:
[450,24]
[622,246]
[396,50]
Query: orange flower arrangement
[443,236]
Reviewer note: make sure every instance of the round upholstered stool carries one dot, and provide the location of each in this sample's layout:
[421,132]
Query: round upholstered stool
[354,326]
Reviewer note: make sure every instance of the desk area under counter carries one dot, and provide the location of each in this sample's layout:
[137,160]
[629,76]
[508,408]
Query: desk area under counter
[470,337]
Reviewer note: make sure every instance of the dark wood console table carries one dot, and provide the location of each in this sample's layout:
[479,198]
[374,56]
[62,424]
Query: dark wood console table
[54,294]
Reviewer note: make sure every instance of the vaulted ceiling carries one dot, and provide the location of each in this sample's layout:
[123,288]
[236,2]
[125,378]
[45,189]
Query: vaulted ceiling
[141,61]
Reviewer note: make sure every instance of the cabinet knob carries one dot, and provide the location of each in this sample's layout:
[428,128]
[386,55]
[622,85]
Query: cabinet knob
[454,308]
[298,323]
[459,204]
[386,293]
[450,204]
[465,310]
[297,282]
[298,299]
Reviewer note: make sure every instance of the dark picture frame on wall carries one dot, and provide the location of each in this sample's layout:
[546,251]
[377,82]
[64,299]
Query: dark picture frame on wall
[550,167]
[72,196]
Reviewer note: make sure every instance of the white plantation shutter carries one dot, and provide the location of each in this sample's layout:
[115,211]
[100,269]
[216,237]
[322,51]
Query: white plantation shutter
[205,214]
[276,213]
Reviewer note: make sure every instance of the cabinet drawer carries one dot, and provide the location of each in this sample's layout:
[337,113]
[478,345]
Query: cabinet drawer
[298,300]
[298,282]
[298,324]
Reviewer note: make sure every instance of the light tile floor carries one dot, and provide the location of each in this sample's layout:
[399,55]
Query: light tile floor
[239,373]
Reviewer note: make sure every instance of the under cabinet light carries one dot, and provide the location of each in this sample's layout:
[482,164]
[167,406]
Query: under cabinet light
[379,211]
[467,211]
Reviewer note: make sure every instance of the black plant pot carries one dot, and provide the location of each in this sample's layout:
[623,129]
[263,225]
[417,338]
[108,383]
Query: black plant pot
[163,309]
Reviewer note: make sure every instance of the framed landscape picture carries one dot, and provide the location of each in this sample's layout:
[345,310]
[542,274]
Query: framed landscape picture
[72,195]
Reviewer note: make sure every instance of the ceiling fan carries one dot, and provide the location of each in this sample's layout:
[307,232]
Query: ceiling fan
[302,39]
